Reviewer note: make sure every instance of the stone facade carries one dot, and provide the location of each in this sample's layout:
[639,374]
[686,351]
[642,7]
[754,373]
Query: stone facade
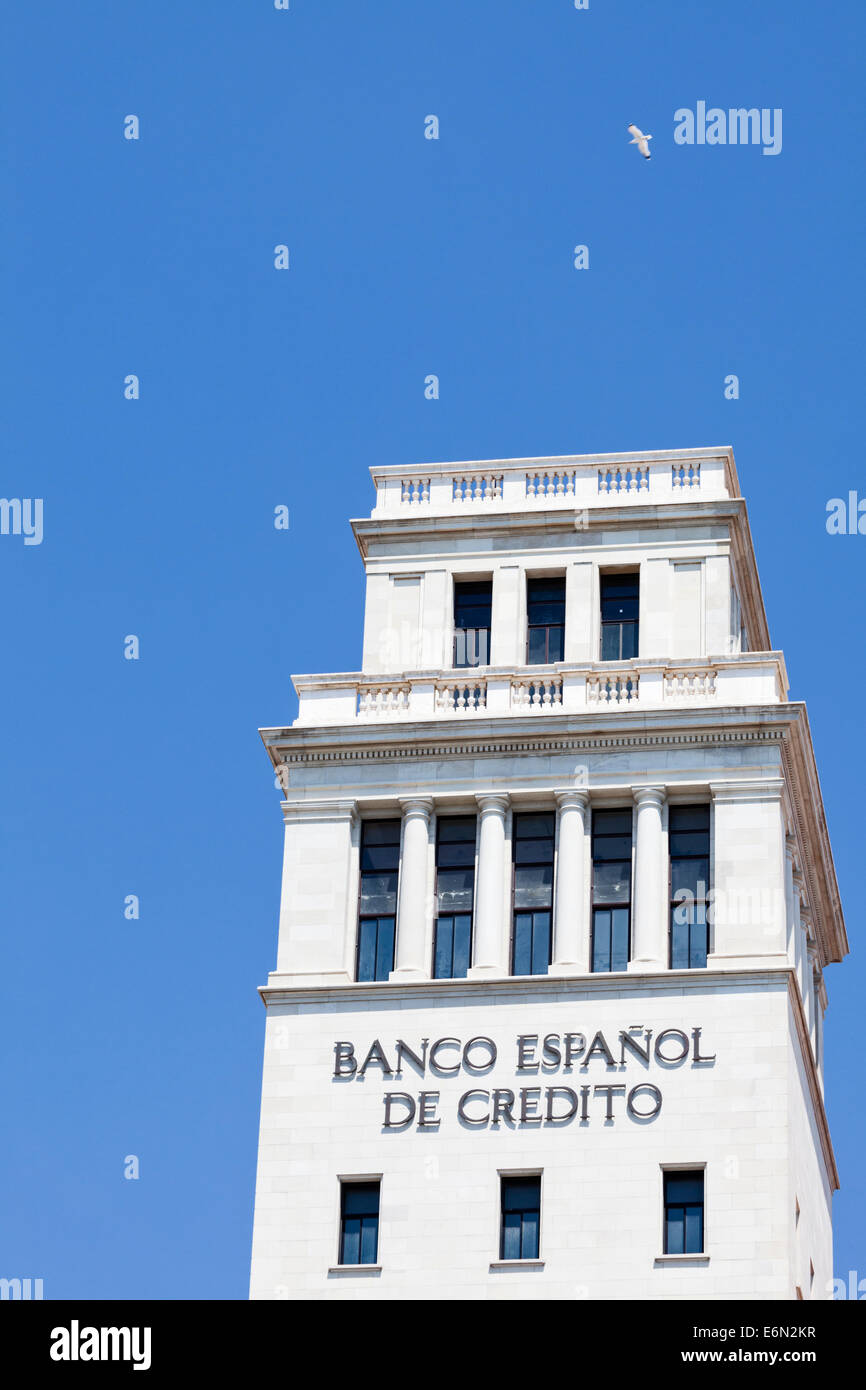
[715,1068]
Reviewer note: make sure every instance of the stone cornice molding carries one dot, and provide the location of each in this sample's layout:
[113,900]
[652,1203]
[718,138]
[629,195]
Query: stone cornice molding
[337,809]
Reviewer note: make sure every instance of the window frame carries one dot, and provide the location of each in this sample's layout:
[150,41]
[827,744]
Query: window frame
[506,1175]
[620,622]
[707,900]
[554,577]
[456,582]
[344,1181]
[535,863]
[682,1170]
[439,819]
[377,916]
[609,907]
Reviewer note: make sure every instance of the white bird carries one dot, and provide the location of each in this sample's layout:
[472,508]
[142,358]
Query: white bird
[641,140]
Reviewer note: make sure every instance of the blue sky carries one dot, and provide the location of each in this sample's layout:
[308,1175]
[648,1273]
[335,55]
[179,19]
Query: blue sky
[261,387]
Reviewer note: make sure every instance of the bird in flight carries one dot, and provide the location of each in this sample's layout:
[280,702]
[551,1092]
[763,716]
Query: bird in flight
[641,140]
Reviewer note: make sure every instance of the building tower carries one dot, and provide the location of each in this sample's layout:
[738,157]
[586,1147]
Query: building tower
[557,900]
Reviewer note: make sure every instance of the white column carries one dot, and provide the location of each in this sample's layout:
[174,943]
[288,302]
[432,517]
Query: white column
[790,928]
[570,937]
[410,955]
[490,950]
[649,934]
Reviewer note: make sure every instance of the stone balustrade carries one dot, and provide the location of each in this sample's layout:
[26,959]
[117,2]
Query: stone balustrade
[584,481]
[755,678]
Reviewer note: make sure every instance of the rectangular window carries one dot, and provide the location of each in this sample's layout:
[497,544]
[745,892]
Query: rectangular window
[455,890]
[545,617]
[359,1223]
[611,889]
[377,911]
[521,1218]
[620,596]
[532,853]
[689,848]
[684,1213]
[473,601]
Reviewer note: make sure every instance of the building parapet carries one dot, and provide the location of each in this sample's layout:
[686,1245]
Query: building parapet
[538,484]
[757,678]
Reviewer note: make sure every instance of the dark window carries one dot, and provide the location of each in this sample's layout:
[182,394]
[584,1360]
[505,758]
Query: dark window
[377,913]
[611,889]
[684,1213]
[545,617]
[521,1212]
[455,887]
[689,847]
[359,1223]
[532,852]
[472,604]
[619,616]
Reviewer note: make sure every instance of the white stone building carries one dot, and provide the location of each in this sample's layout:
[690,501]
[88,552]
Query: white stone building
[557,899]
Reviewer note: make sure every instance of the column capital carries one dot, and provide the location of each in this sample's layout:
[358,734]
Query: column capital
[417,806]
[492,801]
[577,797]
[654,796]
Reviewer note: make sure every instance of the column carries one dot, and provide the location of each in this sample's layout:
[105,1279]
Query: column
[570,936]
[649,947]
[489,955]
[410,953]
[790,916]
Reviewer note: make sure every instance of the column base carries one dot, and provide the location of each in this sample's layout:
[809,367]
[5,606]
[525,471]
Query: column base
[567,967]
[407,974]
[486,972]
[646,967]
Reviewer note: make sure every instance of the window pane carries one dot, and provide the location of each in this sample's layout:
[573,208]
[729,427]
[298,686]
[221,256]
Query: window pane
[536,654]
[629,641]
[679,946]
[601,941]
[511,1224]
[620,594]
[380,858]
[690,875]
[529,1241]
[684,1187]
[369,1239]
[533,885]
[555,643]
[689,842]
[385,948]
[694,1238]
[473,601]
[472,646]
[610,641]
[350,1246]
[674,1231]
[381,832]
[367,931]
[444,948]
[619,939]
[545,600]
[462,946]
[360,1198]
[612,822]
[454,889]
[522,943]
[698,945]
[534,827]
[611,882]
[689,818]
[611,847]
[456,830]
[540,943]
[521,1194]
[378,894]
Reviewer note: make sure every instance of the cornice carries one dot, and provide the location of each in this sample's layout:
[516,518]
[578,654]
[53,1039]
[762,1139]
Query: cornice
[506,736]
